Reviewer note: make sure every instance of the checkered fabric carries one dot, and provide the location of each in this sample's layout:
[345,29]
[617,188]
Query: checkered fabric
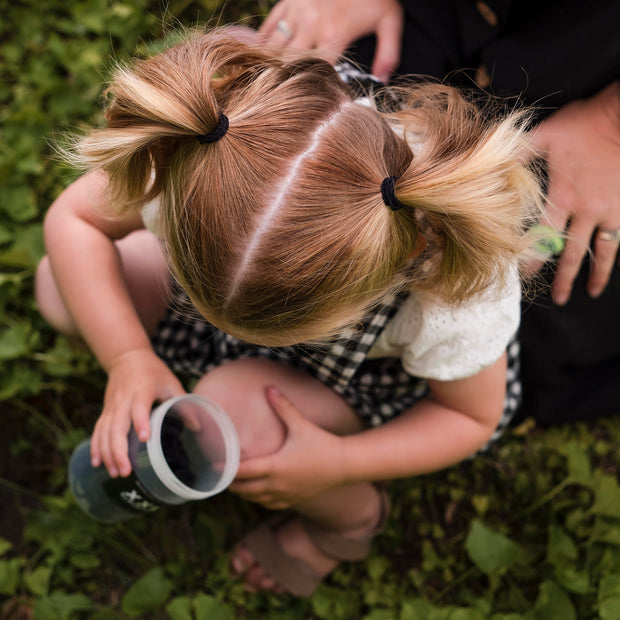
[377,389]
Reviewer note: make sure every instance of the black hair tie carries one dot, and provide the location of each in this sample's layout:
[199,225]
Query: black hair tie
[387,193]
[217,133]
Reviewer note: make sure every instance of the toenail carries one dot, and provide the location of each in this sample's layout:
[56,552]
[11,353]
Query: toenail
[237,564]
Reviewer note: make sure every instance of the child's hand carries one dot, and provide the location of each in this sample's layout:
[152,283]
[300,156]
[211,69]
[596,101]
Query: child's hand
[309,462]
[136,380]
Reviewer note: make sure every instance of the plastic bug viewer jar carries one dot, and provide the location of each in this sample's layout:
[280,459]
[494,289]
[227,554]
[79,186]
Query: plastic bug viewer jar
[191,454]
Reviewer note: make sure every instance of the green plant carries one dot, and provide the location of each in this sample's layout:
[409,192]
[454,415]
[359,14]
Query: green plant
[530,530]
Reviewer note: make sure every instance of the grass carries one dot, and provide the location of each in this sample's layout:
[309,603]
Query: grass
[529,530]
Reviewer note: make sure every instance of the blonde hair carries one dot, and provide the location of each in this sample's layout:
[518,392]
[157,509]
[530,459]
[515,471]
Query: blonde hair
[278,231]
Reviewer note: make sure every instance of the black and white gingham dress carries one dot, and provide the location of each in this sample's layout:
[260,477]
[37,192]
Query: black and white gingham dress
[377,389]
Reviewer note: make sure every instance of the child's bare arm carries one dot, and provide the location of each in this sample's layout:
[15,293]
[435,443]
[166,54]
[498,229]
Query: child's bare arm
[80,231]
[458,419]
[79,236]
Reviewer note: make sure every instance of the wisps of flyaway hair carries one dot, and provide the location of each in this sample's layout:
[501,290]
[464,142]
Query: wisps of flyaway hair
[278,230]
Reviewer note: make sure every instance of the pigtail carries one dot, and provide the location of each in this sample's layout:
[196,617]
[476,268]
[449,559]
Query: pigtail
[469,188]
[271,184]
[164,114]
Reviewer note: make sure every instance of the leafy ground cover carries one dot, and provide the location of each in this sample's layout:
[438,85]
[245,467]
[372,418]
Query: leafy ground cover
[530,530]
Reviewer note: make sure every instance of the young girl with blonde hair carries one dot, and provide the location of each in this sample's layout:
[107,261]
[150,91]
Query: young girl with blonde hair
[344,280]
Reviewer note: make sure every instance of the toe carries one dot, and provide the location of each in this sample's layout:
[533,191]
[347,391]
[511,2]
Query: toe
[241,561]
[258,578]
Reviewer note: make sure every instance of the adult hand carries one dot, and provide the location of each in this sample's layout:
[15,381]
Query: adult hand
[330,26]
[309,462]
[135,381]
[581,142]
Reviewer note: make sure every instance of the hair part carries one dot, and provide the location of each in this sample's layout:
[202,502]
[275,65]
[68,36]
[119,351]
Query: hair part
[278,231]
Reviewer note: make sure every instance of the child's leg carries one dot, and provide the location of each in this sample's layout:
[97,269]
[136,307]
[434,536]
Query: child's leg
[146,276]
[353,511]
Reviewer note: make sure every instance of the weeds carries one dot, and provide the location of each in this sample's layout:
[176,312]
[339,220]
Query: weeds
[530,530]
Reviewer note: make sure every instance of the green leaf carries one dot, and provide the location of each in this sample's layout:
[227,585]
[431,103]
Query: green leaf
[15,341]
[380,614]
[552,603]
[489,550]
[5,235]
[5,545]
[606,531]
[9,575]
[463,613]
[609,597]
[572,579]
[85,560]
[560,546]
[415,609]
[209,608]
[480,503]
[19,202]
[180,608]
[18,378]
[377,566]
[106,614]
[148,594]
[27,248]
[607,496]
[323,601]
[579,470]
[37,581]
[60,606]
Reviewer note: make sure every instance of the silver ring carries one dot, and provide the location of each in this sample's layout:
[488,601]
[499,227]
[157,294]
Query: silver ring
[283,28]
[606,234]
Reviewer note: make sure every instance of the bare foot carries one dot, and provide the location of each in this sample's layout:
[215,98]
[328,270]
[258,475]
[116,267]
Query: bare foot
[295,542]
[293,539]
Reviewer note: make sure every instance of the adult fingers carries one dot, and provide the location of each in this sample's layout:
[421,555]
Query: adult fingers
[388,50]
[605,253]
[268,27]
[578,238]
[305,39]
[547,237]
[282,29]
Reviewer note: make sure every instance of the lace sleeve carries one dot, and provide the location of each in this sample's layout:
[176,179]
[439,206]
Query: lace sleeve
[447,342]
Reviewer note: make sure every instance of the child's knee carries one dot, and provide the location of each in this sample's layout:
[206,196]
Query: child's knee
[50,303]
[239,388]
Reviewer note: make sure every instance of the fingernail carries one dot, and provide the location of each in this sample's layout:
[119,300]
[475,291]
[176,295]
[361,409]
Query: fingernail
[113,472]
[274,391]
[595,292]
[560,298]
[95,462]
[143,435]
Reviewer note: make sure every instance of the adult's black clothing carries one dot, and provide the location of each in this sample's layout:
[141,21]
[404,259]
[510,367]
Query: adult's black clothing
[545,54]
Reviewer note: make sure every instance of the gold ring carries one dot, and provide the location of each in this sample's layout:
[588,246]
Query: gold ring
[606,234]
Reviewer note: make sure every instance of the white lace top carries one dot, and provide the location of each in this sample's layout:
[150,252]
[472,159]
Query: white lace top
[439,341]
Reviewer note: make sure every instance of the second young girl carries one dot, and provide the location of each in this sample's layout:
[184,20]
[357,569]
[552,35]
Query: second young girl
[342,280]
